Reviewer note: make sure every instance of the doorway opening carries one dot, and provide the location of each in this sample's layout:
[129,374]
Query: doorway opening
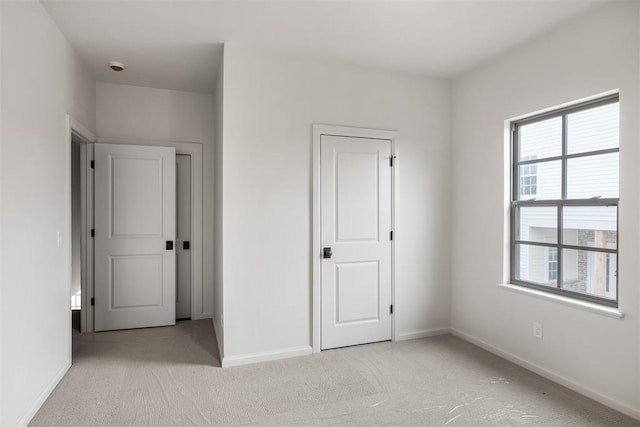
[353,255]
[78,148]
[80,226]
[76,231]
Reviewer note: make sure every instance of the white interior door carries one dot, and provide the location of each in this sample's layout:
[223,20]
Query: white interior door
[355,180]
[183,240]
[135,219]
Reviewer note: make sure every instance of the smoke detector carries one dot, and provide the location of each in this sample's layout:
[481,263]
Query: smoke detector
[116,66]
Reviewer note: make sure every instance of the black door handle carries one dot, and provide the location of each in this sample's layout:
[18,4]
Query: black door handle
[169,245]
[327,253]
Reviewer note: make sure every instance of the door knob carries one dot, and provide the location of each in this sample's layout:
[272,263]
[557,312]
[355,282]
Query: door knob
[327,253]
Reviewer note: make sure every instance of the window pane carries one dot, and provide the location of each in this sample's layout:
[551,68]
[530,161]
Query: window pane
[553,264]
[537,224]
[541,139]
[532,265]
[589,272]
[593,129]
[593,226]
[593,176]
[540,181]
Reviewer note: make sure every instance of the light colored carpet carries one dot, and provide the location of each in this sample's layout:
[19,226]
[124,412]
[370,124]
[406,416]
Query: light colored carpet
[171,376]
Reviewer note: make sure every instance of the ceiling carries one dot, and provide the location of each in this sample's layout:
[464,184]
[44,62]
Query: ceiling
[178,44]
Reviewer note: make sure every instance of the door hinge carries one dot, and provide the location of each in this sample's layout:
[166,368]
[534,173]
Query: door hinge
[93,232]
[391,235]
[93,164]
[93,301]
[391,309]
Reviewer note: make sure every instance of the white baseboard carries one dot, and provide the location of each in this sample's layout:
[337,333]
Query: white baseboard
[553,376]
[26,419]
[200,316]
[422,334]
[218,332]
[266,356]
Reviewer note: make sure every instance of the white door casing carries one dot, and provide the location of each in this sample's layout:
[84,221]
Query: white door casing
[356,223]
[135,215]
[183,239]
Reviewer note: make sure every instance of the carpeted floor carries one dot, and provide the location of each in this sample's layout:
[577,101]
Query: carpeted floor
[171,376]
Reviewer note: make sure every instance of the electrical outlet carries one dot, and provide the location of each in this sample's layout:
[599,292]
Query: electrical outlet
[537,330]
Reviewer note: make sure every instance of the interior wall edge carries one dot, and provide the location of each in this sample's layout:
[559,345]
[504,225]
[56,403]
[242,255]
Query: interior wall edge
[216,331]
[218,231]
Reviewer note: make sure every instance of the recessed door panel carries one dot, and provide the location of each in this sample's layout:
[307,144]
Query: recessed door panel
[355,217]
[357,196]
[136,281]
[135,217]
[136,196]
[357,292]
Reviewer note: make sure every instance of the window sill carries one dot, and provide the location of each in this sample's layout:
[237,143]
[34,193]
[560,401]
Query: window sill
[582,305]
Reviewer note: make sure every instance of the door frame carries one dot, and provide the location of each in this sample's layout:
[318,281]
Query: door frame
[193,149]
[85,137]
[316,246]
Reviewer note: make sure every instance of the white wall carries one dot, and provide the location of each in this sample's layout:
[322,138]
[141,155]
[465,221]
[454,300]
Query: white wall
[218,296]
[595,354]
[136,113]
[270,104]
[42,81]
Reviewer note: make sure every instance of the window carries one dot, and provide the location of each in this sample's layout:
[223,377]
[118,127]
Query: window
[564,207]
[529,177]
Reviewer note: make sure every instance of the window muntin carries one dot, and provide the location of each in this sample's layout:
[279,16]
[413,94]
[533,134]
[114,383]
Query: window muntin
[565,223]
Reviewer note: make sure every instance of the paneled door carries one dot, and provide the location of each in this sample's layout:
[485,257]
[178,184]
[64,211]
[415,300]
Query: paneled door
[135,226]
[355,181]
